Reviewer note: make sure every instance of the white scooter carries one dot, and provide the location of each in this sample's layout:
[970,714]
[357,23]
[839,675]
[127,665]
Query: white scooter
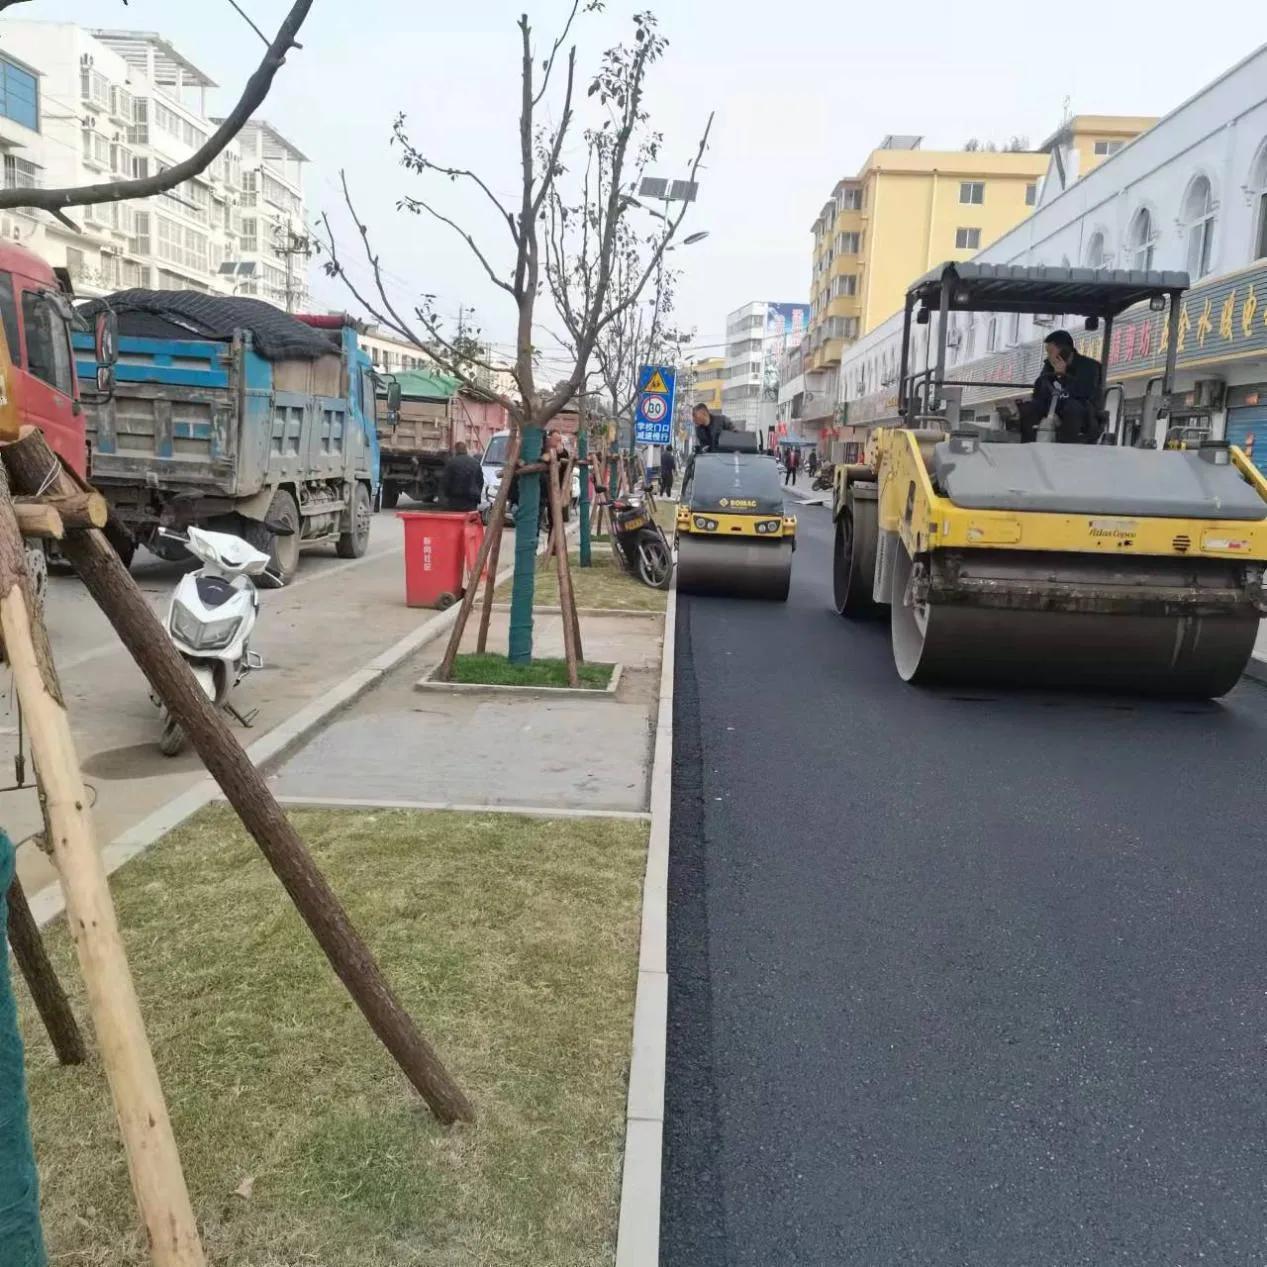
[212,614]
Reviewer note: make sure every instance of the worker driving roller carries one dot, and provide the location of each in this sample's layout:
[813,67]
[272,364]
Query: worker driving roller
[708,428]
[1070,383]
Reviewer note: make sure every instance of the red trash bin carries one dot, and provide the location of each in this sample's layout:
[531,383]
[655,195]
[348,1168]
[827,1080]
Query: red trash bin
[441,550]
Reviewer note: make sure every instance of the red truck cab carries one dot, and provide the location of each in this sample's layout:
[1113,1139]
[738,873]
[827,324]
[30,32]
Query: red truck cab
[40,387]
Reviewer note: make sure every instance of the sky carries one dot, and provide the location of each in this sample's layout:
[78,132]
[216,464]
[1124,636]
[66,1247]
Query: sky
[802,90]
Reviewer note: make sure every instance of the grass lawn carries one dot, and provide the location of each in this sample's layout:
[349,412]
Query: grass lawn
[496,670]
[513,943]
[601,585]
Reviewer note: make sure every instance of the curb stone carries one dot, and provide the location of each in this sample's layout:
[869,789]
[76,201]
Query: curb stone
[638,1233]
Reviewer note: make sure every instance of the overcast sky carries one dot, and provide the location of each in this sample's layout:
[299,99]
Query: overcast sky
[802,90]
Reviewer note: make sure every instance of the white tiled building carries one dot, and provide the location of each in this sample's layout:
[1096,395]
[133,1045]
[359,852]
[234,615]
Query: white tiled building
[1188,194]
[82,107]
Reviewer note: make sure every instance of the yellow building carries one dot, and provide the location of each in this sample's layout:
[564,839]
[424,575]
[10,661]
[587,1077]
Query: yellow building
[906,211]
[1085,141]
[707,385]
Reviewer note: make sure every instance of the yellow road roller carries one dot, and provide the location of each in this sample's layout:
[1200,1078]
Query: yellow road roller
[733,538]
[1092,565]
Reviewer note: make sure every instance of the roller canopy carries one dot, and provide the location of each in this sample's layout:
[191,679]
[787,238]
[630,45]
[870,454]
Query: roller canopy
[738,483]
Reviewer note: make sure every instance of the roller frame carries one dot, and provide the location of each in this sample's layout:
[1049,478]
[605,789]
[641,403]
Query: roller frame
[1038,599]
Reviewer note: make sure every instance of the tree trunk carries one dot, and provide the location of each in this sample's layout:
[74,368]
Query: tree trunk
[28,462]
[41,979]
[150,1147]
[519,649]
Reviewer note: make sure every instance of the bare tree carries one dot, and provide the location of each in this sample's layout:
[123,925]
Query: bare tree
[55,201]
[587,247]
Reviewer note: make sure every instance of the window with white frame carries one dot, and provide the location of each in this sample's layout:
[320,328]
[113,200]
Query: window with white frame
[851,199]
[972,192]
[1104,149]
[1199,210]
[967,239]
[96,149]
[1258,188]
[845,287]
[849,243]
[1031,194]
[1098,255]
[1142,240]
[1014,336]
[992,335]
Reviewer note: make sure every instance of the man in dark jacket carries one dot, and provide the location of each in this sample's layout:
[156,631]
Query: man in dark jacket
[1073,381]
[668,468]
[708,427]
[461,481]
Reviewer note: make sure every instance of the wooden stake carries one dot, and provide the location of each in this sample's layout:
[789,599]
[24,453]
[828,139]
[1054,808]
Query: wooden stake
[497,512]
[148,1142]
[38,519]
[41,979]
[490,584]
[559,545]
[28,461]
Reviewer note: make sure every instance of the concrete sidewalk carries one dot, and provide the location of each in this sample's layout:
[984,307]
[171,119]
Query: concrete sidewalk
[398,744]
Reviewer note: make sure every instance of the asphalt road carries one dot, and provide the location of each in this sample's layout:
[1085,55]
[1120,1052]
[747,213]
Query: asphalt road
[956,977]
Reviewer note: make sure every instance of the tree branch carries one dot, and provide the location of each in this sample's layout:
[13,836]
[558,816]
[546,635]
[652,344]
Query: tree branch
[409,203]
[252,98]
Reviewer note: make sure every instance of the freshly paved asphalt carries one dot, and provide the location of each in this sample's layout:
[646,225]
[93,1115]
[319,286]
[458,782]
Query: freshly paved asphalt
[965,977]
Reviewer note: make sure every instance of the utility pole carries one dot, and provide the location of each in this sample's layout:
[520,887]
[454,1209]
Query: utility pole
[289,245]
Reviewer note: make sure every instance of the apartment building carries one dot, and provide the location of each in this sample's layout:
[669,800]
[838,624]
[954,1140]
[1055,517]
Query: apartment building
[1188,194]
[906,210]
[757,335]
[80,107]
[707,381]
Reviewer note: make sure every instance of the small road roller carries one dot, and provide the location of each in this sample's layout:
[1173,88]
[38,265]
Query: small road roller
[733,538]
[1093,565]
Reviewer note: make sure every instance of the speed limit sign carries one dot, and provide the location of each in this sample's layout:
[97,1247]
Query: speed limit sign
[654,408]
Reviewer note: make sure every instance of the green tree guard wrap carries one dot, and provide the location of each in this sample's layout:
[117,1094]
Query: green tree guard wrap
[21,1238]
[583,507]
[526,518]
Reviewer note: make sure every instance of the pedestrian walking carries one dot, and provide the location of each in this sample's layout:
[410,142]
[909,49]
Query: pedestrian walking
[792,462]
[668,467]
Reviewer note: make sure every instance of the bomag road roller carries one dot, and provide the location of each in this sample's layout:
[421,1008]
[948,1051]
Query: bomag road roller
[1087,565]
[733,539]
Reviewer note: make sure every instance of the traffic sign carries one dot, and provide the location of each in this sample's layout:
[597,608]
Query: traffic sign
[653,417]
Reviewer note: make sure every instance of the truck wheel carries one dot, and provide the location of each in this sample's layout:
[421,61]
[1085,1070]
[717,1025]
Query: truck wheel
[390,496]
[283,552]
[123,541]
[353,545]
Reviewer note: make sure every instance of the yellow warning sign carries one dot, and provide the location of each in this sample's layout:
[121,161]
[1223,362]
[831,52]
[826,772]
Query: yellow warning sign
[656,385]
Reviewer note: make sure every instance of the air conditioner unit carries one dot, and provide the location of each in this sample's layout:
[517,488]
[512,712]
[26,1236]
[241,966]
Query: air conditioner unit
[1044,319]
[954,337]
[85,59]
[1209,392]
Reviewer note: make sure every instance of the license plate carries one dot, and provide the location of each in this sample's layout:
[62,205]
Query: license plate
[632,525]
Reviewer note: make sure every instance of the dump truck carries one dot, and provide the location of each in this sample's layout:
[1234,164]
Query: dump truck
[421,416]
[1099,566]
[231,415]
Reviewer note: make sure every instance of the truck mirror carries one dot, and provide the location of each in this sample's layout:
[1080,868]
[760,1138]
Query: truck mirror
[393,400]
[105,381]
[107,337]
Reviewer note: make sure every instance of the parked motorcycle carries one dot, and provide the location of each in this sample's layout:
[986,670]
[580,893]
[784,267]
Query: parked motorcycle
[639,544]
[825,477]
[210,620]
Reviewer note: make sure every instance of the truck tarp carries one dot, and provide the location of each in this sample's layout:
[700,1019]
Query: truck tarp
[275,335]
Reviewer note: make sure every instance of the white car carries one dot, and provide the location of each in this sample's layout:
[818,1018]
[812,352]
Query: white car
[494,462]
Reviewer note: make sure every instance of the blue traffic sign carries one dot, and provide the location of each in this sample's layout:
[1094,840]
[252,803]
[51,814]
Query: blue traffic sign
[653,415]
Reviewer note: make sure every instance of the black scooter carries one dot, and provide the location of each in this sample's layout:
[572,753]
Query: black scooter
[639,545]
